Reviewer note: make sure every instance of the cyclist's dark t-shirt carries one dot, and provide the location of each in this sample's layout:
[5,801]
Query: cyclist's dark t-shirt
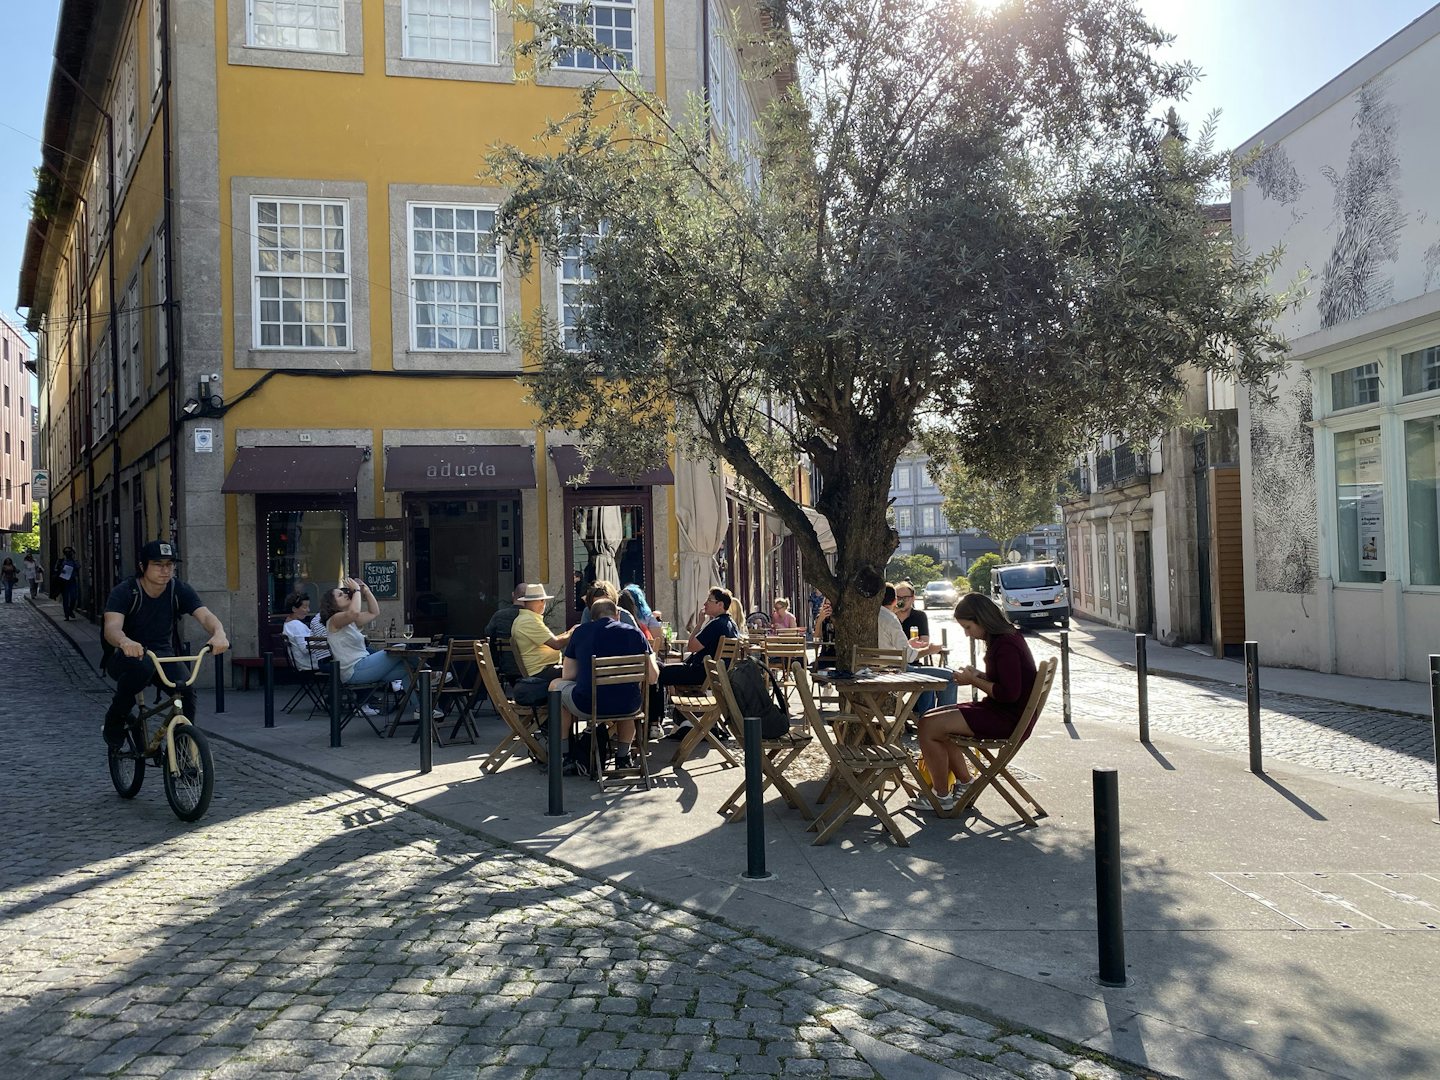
[152,624]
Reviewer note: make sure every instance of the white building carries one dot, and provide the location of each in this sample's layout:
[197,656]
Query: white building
[1341,507]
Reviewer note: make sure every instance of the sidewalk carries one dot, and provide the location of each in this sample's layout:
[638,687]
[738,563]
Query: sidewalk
[1277,926]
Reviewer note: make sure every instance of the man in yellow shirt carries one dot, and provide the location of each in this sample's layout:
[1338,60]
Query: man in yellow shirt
[537,649]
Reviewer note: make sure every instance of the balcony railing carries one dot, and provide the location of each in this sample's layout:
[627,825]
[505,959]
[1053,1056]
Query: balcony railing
[1075,485]
[1121,466]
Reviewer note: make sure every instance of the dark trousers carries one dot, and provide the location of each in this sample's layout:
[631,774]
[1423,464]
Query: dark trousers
[684,675]
[70,596]
[9,592]
[132,676]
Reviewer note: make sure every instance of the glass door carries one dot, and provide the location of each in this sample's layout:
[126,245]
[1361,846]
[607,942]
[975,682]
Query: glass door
[465,560]
[304,548]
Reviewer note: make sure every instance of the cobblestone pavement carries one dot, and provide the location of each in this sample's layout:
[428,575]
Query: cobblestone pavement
[305,930]
[1366,744]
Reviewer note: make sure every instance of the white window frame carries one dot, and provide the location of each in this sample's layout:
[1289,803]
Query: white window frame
[904,519]
[338,30]
[732,113]
[565,324]
[162,313]
[157,53]
[407,52]
[130,353]
[596,66]
[902,478]
[257,275]
[497,280]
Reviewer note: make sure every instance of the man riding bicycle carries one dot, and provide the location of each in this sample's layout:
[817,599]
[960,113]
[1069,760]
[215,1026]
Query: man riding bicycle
[142,613]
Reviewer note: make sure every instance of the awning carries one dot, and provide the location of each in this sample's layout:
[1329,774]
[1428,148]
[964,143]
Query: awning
[569,462]
[459,468]
[823,532]
[264,469]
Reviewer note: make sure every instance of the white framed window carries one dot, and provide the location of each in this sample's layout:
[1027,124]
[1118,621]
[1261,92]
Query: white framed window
[1360,505]
[130,363]
[462,31]
[157,49]
[299,256]
[123,110]
[1359,385]
[612,24]
[1420,371]
[902,478]
[455,278]
[903,519]
[575,274]
[731,111]
[162,313]
[301,25]
[97,205]
[927,518]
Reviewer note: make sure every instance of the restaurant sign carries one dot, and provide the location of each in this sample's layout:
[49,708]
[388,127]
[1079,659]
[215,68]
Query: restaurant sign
[374,530]
[383,577]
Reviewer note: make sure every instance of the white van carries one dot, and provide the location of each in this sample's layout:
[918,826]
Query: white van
[1030,593]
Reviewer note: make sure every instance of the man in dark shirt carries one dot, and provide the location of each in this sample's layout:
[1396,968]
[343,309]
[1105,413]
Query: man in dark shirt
[603,635]
[913,621]
[703,642]
[141,614]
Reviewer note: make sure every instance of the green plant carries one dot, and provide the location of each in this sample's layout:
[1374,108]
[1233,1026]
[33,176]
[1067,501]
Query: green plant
[980,570]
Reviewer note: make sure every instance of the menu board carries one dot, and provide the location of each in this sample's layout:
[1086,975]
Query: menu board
[383,577]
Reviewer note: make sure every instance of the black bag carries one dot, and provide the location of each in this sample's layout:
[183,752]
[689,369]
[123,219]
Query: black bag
[532,690]
[758,693]
[582,746]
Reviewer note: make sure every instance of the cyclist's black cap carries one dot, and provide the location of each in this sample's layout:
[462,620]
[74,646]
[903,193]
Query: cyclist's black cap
[158,550]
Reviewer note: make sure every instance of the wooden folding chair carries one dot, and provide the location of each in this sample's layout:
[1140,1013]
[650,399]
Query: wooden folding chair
[860,772]
[457,686]
[619,671]
[781,651]
[866,656]
[701,705]
[990,758]
[507,660]
[775,754]
[521,731]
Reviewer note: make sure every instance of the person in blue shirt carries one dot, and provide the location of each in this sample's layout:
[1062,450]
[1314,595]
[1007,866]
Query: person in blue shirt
[603,635]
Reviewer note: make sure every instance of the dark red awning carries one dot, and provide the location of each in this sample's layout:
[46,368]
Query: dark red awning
[270,469]
[459,468]
[569,462]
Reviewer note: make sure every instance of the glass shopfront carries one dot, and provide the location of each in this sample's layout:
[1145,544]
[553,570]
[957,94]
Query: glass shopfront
[463,560]
[609,539]
[307,548]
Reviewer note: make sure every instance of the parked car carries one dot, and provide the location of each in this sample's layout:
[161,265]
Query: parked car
[940,594]
[1031,593]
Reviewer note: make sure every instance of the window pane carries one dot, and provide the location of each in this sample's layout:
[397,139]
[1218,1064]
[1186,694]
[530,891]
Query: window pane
[1420,371]
[1360,505]
[1422,492]
[307,551]
[310,25]
[301,253]
[1355,386]
[455,30]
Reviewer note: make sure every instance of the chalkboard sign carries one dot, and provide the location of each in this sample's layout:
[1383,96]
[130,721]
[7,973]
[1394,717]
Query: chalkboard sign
[383,577]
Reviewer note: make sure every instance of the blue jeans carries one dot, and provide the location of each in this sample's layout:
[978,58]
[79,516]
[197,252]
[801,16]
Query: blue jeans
[380,667]
[930,698]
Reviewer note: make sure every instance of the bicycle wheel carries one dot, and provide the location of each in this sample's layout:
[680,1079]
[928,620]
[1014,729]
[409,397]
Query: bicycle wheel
[189,791]
[127,763]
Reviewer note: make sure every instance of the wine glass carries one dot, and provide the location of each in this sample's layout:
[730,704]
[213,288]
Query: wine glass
[409,631]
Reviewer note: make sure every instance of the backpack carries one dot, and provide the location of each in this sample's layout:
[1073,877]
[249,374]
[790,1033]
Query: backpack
[758,693]
[107,650]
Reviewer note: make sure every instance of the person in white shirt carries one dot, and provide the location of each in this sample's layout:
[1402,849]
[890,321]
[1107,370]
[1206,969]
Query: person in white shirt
[298,629]
[892,636]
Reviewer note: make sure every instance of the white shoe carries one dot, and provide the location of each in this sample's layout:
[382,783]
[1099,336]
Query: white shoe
[369,710]
[398,686]
[435,714]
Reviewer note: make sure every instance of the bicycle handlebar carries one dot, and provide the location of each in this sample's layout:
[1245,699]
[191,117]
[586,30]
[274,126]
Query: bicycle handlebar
[161,661]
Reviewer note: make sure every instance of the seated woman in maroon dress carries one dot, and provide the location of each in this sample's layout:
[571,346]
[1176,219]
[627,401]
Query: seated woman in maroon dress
[1008,678]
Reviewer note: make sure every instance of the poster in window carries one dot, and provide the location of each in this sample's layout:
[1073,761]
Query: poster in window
[1371,522]
[1367,457]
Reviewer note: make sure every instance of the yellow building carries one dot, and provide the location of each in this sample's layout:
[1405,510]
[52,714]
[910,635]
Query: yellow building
[290,346]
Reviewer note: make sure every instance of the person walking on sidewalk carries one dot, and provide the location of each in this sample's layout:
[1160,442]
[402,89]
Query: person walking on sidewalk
[33,575]
[67,572]
[9,575]
[142,613]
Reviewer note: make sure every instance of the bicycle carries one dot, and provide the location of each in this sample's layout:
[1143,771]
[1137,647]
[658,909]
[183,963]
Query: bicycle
[177,746]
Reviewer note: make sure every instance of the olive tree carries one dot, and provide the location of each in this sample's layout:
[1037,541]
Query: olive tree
[1001,506]
[949,216]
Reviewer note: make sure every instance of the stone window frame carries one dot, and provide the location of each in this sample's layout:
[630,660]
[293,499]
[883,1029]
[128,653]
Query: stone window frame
[350,61]
[403,358]
[247,354]
[502,70]
[644,68]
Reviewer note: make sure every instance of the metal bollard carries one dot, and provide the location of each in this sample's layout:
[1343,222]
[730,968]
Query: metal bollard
[1109,912]
[335,693]
[974,690]
[1065,675]
[219,683]
[1252,703]
[422,693]
[553,762]
[269,689]
[754,804]
[1435,712]
[945,641]
[1142,678]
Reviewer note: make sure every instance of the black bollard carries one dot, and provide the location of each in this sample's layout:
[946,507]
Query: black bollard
[1109,914]
[269,689]
[1065,675]
[1142,679]
[336,691]
[1435,713]
[974,690]
[219,684]
[754,804]
[553,761]
[422,692]
[1252,703]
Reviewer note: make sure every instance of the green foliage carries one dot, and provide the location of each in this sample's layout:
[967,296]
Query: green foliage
[980,569]
[1000,242]
[1002,506]
[28,542]
[917,569]
[931,550]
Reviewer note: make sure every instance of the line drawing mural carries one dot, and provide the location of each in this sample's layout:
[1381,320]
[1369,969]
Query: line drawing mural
[1367,208]
[1275,175]
[1282,455]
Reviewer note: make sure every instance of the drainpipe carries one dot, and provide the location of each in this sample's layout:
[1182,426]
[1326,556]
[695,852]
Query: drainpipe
[168,305]
[114,363]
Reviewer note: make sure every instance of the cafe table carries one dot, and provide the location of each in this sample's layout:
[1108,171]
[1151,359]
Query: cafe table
[416,656]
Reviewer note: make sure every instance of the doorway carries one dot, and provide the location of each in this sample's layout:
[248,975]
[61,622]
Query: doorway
[464,560]
[609,539]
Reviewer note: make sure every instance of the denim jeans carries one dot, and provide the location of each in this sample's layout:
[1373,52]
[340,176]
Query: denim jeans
[380,667]
[931,699]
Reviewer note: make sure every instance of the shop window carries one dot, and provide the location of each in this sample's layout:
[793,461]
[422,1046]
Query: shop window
[306,551]
[1422,489]
[1355,386]
[607,543]
[1360,505]
[1420,371]
[1104,549]
[1122,573]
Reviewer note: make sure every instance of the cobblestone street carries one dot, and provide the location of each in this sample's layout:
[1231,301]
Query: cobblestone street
[308,931]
